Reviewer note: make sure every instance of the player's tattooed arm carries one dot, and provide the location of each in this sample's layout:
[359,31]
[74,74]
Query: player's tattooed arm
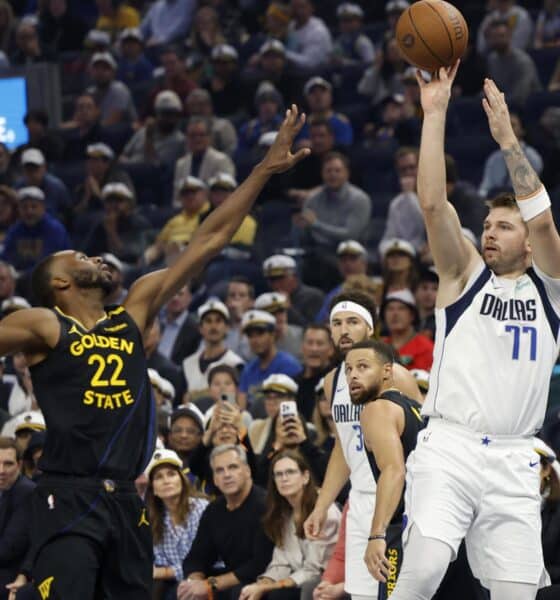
[523,177]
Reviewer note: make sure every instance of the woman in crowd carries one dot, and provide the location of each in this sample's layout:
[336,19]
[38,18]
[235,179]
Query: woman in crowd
[174,512]
[297,562]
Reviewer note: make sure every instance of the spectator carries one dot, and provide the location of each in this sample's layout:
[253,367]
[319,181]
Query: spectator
[174,512]
[8,278]
[496,176]
[159,141]
[206,32]
[134,67]
[175,77]
[288,337]
[6,166]
[547,31]
[259,327]
[224,82]
[338,211]
[269,117]
[223,384]
[186,427]
[352,46]
[517,19]
[97,41]
[400,315]
[29,50]
[322,419]
[34,166]
[115,16]
[38,136]
[84,128]
[32,455]
[15,495]
[201,160]
[36,234]
[240,298]
[304,300]
[398,263]
[117,294]
[113,97]
[167,21]
[425,297]
[393,123]
[193,195]
[318,354]
[7,28]
[181,336]
[213,318]
[223,134]
[296,562]
[404,219]
[100,171]
[318,93]
[511,68]
[59,29]
[8,211]
[221,187]
[24,424]
[309,40]
[230,529]
[352,260]
[393,10]
[120,230]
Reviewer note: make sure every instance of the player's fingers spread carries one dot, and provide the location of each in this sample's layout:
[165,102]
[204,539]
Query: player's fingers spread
[419,78]
[301,154]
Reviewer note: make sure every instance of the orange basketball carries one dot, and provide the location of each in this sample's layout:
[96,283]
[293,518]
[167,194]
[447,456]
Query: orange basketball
[432,34]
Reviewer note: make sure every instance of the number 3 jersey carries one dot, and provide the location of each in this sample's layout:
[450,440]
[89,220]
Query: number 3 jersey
[495,348]
[346,417]
[94,392]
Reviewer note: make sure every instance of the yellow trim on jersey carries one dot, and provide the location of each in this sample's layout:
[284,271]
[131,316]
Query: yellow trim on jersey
[78,322]
[115,311]
[416,414]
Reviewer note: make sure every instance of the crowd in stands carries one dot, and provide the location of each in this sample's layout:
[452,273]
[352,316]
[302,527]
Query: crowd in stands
[166,107]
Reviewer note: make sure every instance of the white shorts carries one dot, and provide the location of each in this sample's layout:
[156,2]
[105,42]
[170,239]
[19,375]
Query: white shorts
[484,488]
[357,579]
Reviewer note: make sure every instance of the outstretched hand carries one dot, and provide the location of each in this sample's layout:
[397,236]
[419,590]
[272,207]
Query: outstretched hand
[435,94]
[497,111]
[279,157]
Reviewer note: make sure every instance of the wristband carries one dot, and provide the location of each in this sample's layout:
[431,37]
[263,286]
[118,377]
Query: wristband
[534,205]
[380,536]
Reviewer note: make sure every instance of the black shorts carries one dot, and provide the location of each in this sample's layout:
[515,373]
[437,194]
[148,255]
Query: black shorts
[394,552]
[90,539]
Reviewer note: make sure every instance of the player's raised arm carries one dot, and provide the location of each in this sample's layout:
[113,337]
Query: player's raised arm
[150,292]
[531,196]
[32,330]
[454,257]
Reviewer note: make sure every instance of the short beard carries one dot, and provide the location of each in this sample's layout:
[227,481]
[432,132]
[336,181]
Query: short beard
[370,394]
[86,280]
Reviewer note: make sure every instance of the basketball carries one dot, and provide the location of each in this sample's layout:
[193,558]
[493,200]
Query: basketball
[432,34]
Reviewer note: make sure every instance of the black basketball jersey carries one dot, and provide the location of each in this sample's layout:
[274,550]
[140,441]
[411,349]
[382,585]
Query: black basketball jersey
[94,391]
[413,423]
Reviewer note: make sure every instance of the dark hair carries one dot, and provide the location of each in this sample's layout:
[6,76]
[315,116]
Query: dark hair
[498,22]
[278,509]
[381,349]
[156,508]
[223,369]
[503,200]
[317,327]
[41,283]
[320,122]
[405,151]
[37,115]
[336,156]
[7,442]
[171,49]
[245,281]
[359,298]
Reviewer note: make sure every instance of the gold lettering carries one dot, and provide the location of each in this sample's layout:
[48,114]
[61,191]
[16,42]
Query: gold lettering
[108,403]
[127,346]
[127,397]
[88,341]
[76,348]
[89,397]
[45,587]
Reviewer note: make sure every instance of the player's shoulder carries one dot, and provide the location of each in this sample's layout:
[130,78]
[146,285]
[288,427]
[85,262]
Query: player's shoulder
[30,317]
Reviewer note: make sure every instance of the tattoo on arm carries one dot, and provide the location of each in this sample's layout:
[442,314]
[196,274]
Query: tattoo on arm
[523,177]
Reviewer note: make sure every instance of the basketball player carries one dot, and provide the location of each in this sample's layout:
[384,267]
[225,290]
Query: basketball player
[351,321]
[474,473]
[90,535]
[390,423]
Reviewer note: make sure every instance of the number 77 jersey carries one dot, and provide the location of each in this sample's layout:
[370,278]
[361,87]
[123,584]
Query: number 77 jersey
[95,395]
[495,348]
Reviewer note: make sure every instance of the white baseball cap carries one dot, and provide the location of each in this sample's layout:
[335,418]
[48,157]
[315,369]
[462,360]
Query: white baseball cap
[405,296]
[349,9]
[396,245]
[117,189]
[100,150]
[32,156]
[213,305]
[422,378]
[351,247]
[258,319]
[112,260]
[31,191]
[278,382]
[272,302]
[224,51]
[30,419]
[222,180]
[268,138]
[14,303]
[316,82]
[105,57]
[273,46]
[131,33]
[168,100]
[163,457]
[98,37]
[164,386]
[278,265]
[191,183]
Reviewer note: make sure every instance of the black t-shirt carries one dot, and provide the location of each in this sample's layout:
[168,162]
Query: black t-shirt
[96,398]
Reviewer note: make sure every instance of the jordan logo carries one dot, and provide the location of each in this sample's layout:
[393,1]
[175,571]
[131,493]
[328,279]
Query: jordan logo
[74,329]
[45,587]
[143,519]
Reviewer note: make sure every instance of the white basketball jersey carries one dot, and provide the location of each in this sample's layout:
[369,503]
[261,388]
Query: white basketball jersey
[495,348]
[347,419]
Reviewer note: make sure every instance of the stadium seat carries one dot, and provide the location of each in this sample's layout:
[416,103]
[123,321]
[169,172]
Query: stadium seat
[537,103]
[470,152]
[545,60]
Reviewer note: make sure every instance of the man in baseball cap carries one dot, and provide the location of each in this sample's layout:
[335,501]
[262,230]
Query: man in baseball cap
[25,424]
[288,336]
[186,427]
[352,46]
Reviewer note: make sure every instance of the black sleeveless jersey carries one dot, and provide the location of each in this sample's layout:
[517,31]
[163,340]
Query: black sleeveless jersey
[413,423]
[94,391]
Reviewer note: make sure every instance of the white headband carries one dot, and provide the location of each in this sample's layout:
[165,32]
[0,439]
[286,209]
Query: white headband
[348,306]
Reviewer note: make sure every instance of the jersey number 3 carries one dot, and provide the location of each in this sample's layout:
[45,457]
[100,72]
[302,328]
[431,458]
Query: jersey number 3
[360,442]
[518,332]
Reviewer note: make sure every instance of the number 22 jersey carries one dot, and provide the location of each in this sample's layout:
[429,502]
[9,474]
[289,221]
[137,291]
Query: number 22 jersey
[96,398]
[495,348]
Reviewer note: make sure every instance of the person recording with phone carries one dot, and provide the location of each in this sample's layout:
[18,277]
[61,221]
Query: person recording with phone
[283,428]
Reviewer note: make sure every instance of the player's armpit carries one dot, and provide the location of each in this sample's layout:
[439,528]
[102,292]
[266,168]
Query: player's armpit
[32,331]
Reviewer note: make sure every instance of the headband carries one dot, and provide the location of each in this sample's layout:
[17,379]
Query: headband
[348,306]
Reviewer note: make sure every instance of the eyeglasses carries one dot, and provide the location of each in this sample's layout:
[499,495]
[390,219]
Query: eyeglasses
[187,430]
[286,473]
